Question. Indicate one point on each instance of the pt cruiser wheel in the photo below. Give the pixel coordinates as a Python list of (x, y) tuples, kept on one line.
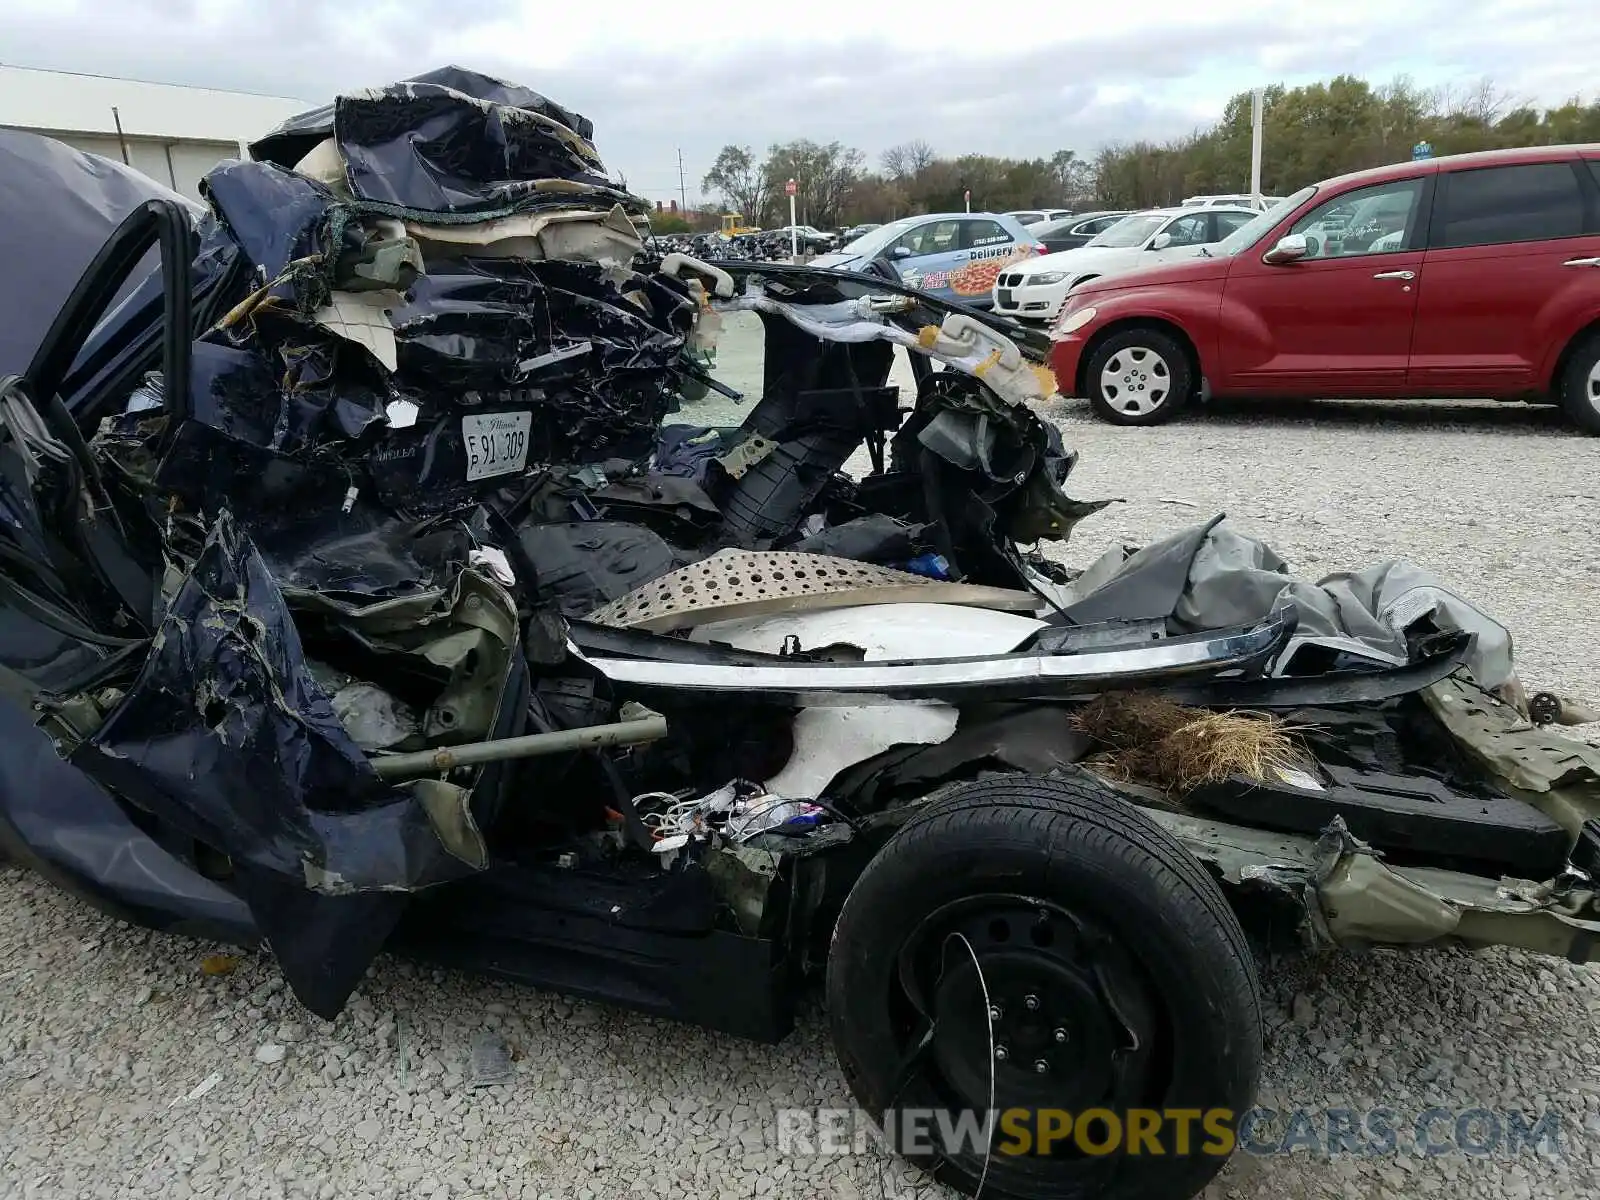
[(1140, 377), (1580, 386)]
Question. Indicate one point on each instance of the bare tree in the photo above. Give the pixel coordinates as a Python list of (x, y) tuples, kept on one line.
[(908, 159), (823, 175), (741, 182), (1074, 177), (1479, 101)]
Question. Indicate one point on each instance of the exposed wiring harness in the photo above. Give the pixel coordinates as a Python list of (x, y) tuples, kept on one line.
[(740, 811)]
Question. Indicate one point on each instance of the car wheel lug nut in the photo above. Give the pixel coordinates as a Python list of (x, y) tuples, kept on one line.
[(1031, 1003), (995, 1012), (1040, 1066), (1061, 1035), (1001, 1054)]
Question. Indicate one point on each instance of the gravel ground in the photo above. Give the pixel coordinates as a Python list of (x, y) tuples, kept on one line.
[(126, 1070)]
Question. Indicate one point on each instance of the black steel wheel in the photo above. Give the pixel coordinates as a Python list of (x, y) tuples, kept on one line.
[(1044, 939)]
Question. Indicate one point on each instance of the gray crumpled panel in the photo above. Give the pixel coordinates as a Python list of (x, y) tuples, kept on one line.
[(1233, 579)]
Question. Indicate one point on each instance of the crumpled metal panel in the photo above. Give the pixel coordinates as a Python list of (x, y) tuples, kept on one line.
[(483, 323), (584, 354), (226, 735), (1210, 576), (60, 206), (57, 820), (447, 140), (288, 143), (1557, 774), (274, 215), (743, 583), (1350, 896), (1521, 753)]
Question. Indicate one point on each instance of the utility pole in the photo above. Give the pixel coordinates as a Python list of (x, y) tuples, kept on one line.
[(1257, 104), (122, 141), (683, 194)]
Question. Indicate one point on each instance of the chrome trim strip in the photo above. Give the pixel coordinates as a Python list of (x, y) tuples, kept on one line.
[(1011, 675)]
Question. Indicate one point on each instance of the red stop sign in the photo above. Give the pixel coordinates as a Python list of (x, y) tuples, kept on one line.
[(789, 188)]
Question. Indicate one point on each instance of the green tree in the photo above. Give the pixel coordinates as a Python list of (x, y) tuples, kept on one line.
[(1330, 128), (669, 222), (1311, 133)]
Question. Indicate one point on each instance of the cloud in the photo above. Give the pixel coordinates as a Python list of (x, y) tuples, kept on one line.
[(960, 75)]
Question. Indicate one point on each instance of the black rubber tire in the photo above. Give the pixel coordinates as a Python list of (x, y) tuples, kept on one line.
[(1072, 842), (1174, 372), (1578, 395)]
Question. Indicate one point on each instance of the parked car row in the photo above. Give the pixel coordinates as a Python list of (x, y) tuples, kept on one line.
[(954, 256), (1469, 276), (1035, 289), (810, 239), (855, 231), (1038, 216), (1057, 228), (1078, 230), (1236, 200), (995, 260), (1462, 277)]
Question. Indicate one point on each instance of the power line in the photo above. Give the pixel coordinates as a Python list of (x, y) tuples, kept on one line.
[(195, 87)]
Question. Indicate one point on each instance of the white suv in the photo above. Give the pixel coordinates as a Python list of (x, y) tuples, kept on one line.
[(1236, 201), (1037, 216), (1034, 288)]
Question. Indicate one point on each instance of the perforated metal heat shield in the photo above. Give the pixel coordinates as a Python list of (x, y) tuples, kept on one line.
[(746, 583)]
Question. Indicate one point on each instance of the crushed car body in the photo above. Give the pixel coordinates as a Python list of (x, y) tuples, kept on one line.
[(359, 591)]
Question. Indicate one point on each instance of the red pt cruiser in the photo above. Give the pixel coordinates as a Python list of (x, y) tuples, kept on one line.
[(1476, 275)]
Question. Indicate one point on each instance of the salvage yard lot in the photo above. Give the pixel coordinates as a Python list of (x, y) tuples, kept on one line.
[(106, 1032)]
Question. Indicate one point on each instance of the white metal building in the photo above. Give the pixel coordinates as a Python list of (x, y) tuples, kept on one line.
[(172, 133)]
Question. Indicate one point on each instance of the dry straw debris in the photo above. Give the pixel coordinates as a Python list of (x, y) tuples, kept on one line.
[(1153, 741)]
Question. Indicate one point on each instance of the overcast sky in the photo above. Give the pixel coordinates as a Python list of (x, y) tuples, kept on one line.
[(966, 76)]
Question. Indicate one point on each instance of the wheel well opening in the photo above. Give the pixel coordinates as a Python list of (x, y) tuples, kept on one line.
[(1576, 342), (1175, 332)]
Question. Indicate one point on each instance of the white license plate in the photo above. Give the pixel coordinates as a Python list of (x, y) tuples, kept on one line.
[(497, 443)]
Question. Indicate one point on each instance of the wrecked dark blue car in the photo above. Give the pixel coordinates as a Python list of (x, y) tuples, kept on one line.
[(365, 586)]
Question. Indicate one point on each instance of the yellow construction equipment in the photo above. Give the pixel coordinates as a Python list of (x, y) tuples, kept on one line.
[(733, 225)]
